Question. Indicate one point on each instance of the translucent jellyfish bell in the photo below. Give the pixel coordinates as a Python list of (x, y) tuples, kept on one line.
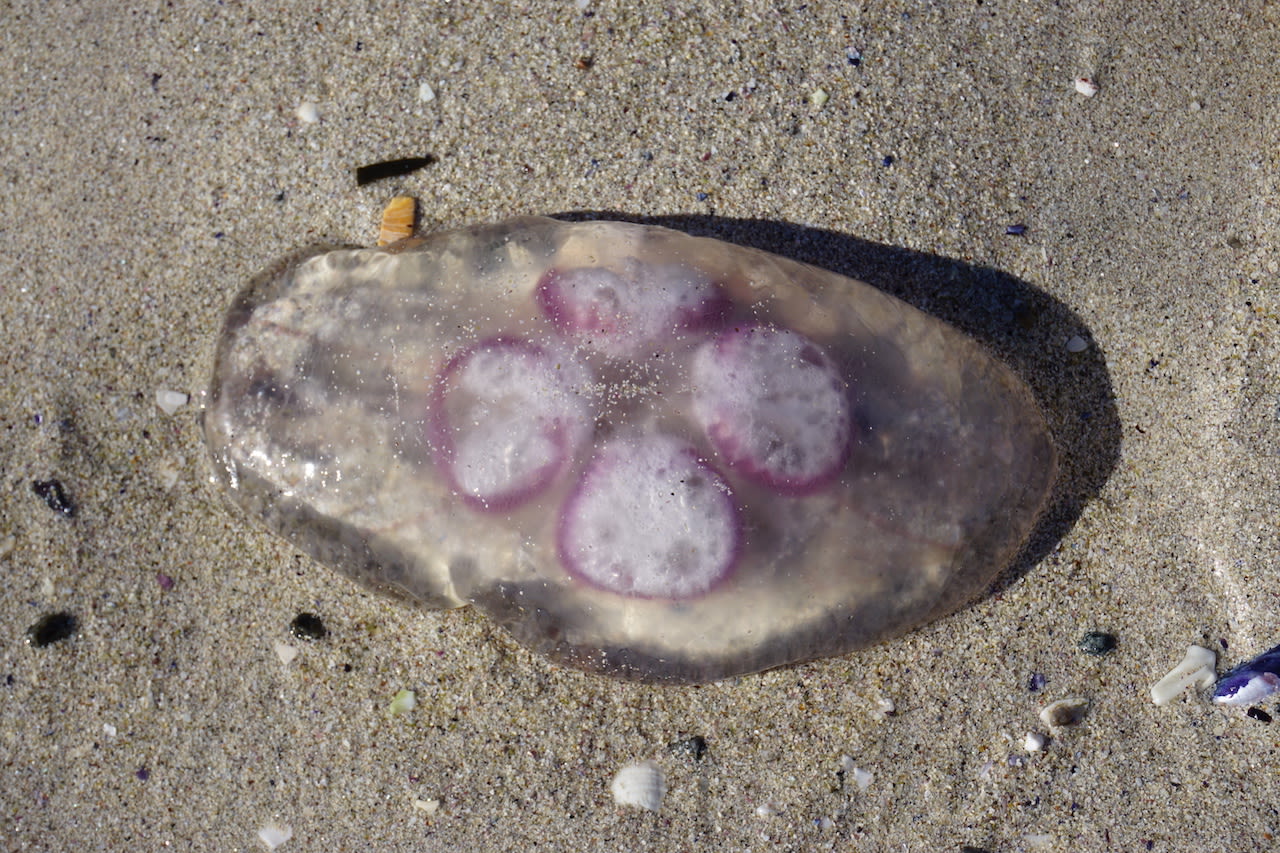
[(645, 454)]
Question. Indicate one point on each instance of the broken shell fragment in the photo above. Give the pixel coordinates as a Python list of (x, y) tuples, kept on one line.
[(1064, 712), (1251, 681), (644, 453), (397, 219), (1195, 668)]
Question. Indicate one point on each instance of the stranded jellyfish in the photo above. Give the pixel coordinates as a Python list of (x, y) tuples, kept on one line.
[(645, 454)]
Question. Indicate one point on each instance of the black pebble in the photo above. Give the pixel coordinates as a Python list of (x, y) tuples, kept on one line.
[(51, 628), (1097, 643), (308, 626), (1259, 715), (54, 495), (691, 747)]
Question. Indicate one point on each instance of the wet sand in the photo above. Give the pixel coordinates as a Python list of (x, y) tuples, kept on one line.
[(156, 159)]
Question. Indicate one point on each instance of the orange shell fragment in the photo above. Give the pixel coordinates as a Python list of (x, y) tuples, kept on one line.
[(397, 219)]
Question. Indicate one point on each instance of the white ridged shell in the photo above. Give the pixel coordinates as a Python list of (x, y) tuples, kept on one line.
[(640, 785)]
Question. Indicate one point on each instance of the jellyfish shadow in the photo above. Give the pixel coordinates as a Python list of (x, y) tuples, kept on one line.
[(1017, 322)]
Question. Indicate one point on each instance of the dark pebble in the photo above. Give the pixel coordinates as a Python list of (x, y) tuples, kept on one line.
[(52, 628), (691, 747), (143, 774), (1259, 715), (1015, 230), (887, 161), (1097, 643), (966, 848), (52, 493), (308, 626), (1036, 682), (703, 196)]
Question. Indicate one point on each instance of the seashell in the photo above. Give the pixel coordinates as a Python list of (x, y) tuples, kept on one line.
[(397, 219), (639, 785), (1195, 668), (1064, 712), (644, 453), (1251, 681)]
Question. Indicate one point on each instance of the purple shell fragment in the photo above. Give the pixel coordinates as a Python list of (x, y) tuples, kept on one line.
[(1251, 681), (644, 453)]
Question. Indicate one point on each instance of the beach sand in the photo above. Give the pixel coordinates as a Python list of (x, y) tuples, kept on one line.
[(155, 158)]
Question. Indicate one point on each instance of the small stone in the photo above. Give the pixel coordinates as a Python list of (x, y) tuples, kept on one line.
[(285, 652), (54, 496), (52, 628), (109, 729), (1034, 742), (308, 626), (430, 806), (307, 113), (1097, 643), (1076, 344), (1086, 87), (167, 472), (170, 401), (693, 748), (403, 702), (818, 98), (1258, 714), (425, 93), (1064, 712)]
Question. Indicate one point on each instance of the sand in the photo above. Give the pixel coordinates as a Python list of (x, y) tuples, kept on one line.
[(155, 158)]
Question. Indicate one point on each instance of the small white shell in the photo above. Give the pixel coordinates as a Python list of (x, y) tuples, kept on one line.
[(273, 835), (170, 401), (640, 785)]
